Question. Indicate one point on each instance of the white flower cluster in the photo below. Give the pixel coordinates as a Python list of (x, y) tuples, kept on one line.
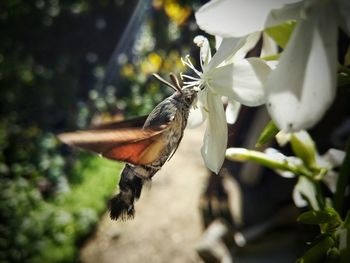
[(297, 91)]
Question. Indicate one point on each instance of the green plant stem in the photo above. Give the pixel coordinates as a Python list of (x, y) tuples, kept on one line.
[(240, 154), (319, 195), (266, 161), (343, 178), (268, 133)]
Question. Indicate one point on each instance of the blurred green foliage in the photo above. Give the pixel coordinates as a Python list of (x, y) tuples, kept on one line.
[(38, 231)]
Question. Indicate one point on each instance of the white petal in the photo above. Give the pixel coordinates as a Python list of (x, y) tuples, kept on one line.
[(283, 138), (288, 12), (248, 43), (227, 48), (275, 154), (205, 53), (233, 49), (203, 100), (235, 18), (215, 138), (334, 157), (330, 180), (306, 188), (242, 81), (195, 118), (299, 201), (232, 111), (302, 87), (272, 64), (269, 46), (198, 114), (285, 174), (218, 41)]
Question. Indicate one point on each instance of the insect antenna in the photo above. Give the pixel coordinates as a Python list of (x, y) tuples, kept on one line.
[(166, 82), (176, 82)]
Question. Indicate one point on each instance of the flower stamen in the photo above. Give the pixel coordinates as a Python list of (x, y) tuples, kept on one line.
[(187, 62), (187, 77)]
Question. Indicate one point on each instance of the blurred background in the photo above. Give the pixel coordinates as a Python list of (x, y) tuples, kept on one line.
[(63, 65)]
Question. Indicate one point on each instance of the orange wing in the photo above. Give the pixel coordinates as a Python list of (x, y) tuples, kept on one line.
[(133, 145), (140, 153)]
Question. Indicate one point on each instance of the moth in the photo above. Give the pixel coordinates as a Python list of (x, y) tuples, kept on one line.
[(144, 144)]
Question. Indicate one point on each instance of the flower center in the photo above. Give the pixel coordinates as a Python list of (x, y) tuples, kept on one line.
[(189, 81)]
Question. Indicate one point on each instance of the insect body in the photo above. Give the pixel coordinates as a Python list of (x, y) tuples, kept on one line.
[(144, 149)]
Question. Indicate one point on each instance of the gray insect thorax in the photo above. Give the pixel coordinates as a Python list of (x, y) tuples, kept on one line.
[(175, 113)]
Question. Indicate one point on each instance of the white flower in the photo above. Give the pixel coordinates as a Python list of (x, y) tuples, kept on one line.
[(302, 87), (304, 147), (226, 74), (235, 18), (304, 189)]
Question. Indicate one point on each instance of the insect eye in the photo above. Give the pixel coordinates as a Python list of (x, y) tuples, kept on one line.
[(188, 99)]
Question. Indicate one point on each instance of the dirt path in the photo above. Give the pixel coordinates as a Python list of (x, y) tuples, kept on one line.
[(167, 223)]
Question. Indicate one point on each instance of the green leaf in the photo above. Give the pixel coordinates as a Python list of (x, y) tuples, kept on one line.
[(344, 239), (327, 216), (281, 33), (304, 147), (268, 133), (343, 178), (346, 223), (318, 252)]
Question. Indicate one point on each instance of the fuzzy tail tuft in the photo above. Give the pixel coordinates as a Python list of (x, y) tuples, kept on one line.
[(130, 186), (120, 207)]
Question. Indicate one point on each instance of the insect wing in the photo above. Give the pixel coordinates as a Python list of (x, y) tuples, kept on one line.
[(130, 123), (134, 145), (139, 153)]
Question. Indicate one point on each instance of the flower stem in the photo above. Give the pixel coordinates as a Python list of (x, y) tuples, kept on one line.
[(319, 195), (241, 154), (343, 178)]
